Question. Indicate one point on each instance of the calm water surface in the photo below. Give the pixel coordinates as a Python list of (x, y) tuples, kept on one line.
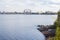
[(23, 27)]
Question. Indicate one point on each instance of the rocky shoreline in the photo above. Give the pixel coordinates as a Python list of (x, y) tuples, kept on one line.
[(47, 31)]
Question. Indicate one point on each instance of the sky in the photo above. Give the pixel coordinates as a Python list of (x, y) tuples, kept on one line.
[(33, 5)]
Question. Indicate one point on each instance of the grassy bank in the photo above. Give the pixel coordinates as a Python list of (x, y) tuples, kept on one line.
[(57, 37), (57, 27)]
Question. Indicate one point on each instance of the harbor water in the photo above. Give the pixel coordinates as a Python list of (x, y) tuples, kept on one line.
[(23, 27)]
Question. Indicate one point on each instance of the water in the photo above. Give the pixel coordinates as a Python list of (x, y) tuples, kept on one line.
[(23, 27)]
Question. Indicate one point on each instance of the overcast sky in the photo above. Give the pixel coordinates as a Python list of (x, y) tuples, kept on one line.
[(34, 5)]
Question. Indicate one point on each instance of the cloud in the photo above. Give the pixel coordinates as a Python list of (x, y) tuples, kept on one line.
[(34, 5)]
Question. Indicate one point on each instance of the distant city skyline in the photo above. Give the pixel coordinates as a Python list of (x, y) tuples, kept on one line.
[(33, 5)]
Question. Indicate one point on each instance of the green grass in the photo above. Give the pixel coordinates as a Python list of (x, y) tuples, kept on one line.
[(57, 37), (57, 26)]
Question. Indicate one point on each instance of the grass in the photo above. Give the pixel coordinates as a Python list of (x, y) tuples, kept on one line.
[(57, 37)]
